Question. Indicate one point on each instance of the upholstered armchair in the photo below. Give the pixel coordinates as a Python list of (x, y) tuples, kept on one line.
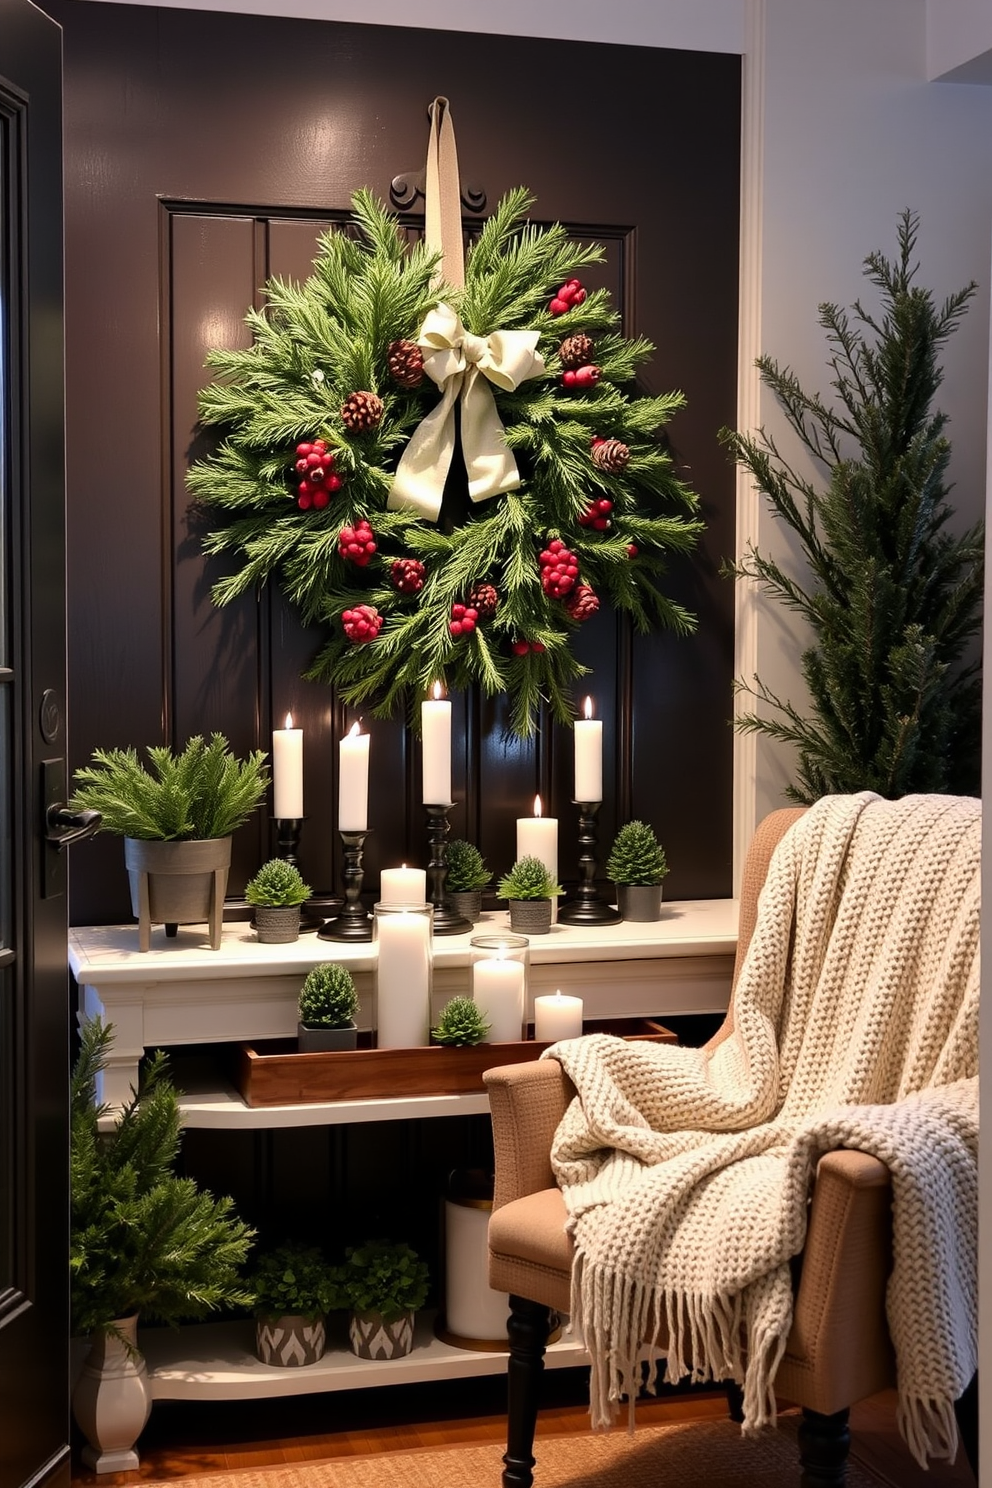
[(838, 1351)]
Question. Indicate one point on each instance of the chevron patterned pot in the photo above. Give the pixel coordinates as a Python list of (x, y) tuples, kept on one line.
[(289, 1341), (373, 1337)]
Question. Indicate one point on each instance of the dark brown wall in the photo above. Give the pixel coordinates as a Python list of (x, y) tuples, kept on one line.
[(203, 152)]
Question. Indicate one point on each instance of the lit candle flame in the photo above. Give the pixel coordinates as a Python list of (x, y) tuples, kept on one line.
[(289, 720), (436, 692), (588, 708), (355, 730), (537, 805)]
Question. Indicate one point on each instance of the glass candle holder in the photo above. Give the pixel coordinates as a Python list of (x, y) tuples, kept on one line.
[(500, 964), (403, 937)]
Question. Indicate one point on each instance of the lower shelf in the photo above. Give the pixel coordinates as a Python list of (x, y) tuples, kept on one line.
[(216, 1361)]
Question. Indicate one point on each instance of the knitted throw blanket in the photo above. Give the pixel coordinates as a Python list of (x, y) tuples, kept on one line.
[(686, 1172)]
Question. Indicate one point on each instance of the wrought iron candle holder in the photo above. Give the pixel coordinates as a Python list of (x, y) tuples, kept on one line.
[(289, 830), (447, 921), (352, 922), (587, 906)]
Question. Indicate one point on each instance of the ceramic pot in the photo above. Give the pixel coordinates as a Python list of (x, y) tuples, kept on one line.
[(277, 924), (639, 901), (374, 1337), (317, 1040), (466, 903), (290, 1341), (112, 1401), (178, 883), (530, 916)]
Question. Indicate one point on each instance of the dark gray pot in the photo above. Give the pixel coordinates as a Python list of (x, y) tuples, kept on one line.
[(530, 916), (315, 1040), (277, 924), (467, 903), (639, 901), (178, 883)]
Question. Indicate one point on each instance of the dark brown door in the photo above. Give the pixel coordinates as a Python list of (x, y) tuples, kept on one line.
[(34, 1325)]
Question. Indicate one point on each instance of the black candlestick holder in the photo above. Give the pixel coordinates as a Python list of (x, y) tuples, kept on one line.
[(446, 920), (353, 922), (289, 829), (587, 907)]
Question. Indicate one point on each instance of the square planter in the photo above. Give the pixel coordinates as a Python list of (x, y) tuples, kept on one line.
[(316, 1040)]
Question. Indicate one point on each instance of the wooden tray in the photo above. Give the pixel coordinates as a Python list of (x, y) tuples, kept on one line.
[(274, 1074)]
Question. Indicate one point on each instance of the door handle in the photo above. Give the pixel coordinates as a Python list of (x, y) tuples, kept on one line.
[(63, 826)]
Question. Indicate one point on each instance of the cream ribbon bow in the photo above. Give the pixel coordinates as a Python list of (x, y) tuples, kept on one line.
[(463, 365)]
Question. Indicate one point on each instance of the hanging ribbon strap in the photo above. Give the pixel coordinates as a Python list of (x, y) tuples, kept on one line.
[(461, 364)]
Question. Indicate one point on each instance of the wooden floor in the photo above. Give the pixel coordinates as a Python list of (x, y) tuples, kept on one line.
[(182, 1440)]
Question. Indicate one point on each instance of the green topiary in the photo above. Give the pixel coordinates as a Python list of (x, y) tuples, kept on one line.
[(637, 857), (382, 1276), (293, 1280), (528, 879), (328, 998), (277, 883), (466, 868), (462, 1021)]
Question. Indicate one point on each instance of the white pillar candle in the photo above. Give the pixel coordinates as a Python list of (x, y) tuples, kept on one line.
[(287, 772), (403, 980), (498, 990), (435, 726), (588, 756), (403, 885), (353, 781), (537, 837), (557, 1018)]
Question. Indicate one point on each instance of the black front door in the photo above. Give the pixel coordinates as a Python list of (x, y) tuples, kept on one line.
[(34, 1327)]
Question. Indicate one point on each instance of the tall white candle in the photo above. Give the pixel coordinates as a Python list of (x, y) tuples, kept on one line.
[(287, 772), (435, 723), (353, 781), (498, 989), (403, 980), (403, 885), (537, 837), (588, 756), (556, 1018)]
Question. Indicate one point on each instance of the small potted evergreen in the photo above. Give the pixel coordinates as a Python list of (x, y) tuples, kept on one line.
[(328, 1003), (637, 865), (462, 1023), (276, 892), (383, 1283), (466, 878), (293, 1289), (529, 888)]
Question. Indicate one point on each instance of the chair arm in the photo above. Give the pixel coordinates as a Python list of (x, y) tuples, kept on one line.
[(527, 1102)]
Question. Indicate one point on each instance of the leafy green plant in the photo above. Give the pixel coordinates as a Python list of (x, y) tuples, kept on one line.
[(328, 998), (467, 870), (293, 1280), (462, 1021), (382, 1276), (141, 1238), (203, 791), (637, 857), (277, 884), (528, 879)]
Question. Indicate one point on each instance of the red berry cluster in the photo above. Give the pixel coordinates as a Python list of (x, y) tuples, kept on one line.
[(357, 543), (464, 619), (521, 647), (408, 575), (363, 623), (597, 514), (559, 569), (581, 377), (315, 467), (570, 295)]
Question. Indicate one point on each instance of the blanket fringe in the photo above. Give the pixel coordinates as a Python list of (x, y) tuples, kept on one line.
[(929, 1427)]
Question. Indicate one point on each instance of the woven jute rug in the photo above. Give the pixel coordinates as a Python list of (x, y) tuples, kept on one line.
[(683, 1455)]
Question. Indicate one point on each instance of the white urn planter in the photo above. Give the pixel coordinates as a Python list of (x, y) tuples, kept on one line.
[(112, 1400)]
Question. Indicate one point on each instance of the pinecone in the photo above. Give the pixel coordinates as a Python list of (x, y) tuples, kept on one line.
[(610, 455), (406, 363), (361, 412), (407, 575), (582, 603), (576, 351), (484, 599)]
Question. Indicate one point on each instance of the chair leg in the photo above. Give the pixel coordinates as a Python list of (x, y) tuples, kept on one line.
[(528, 1327), (824, 1442), (735, 1400), (966, 1410)]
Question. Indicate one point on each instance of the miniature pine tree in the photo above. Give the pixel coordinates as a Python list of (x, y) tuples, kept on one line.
[(637, 857), (467, 870), (893, 600), (328, 997), (528, 879), (462, 1021)]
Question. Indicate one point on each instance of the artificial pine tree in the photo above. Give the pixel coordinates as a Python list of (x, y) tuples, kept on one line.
[(893, 599)]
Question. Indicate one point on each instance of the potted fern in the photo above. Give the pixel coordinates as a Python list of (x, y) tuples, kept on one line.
[(383, 1283), (328, 1003), (637, 865), (294, 1290), (176, 818), (529, 888), (276, 892), (466, 878)]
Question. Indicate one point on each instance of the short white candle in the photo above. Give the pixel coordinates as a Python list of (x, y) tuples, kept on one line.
[(537, 837), (287, 772), (435, 725), (588, 756), (498, 990), (403, 968), (353, 781), (557, 1018), (403, 885)]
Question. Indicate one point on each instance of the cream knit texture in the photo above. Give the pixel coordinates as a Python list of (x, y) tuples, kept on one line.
[(686, 1172)]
